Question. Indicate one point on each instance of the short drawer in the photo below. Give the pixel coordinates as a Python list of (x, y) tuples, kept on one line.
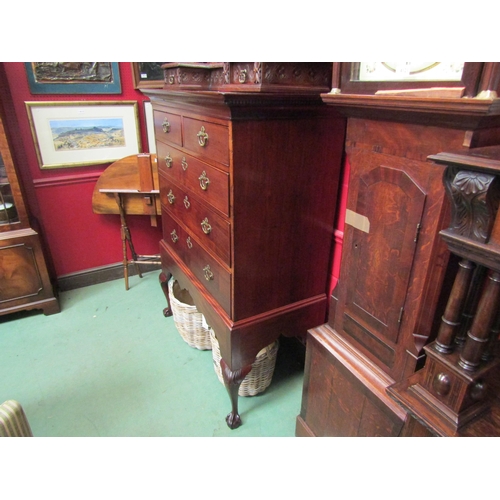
[(207, 182), (212, 230), (206, 139), (167, 127), (215, 279)]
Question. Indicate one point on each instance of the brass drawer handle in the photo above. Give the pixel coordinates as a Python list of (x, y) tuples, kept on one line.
[(171, 79), (204, 180), (242, 78), (209, 275), (184, 163), (170, 197), (165, 126), (174, 236), (188, 242), (187, 204), (168, 160), (205, 225), (202, 137)]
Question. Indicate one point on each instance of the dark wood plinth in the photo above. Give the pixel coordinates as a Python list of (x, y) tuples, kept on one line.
[(428, 411), (344, 392)]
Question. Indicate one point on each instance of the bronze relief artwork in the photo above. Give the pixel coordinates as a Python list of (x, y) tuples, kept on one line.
[(73, 77), (72, 71)]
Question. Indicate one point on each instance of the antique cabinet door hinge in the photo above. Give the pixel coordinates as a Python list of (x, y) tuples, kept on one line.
[(401, 315), (417, 232)]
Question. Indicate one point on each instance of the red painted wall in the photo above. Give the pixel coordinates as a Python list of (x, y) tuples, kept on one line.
[(61, 199)]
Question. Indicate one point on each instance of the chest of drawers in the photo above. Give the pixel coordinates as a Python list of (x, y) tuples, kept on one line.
[(248, 188)]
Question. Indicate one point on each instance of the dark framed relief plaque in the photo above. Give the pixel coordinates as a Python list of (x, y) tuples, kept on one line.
[(73, 77)]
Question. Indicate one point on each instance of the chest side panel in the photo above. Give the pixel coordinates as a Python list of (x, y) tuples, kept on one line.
[(284, 189)]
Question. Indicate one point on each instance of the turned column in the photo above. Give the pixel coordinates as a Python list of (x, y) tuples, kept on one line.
[(451, 320), (479, 335), (471, 303), (456, 386), (474, 195), (474, 198), (490, 351)]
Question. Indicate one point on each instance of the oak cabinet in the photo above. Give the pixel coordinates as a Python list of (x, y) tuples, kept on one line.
[(396, 270), (393, 261)]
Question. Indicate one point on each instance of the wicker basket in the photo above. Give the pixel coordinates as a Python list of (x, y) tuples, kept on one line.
[(260, 375), (189, 321)]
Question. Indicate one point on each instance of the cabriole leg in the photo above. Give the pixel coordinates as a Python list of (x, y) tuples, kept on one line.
[(232, 381), (164, 279)]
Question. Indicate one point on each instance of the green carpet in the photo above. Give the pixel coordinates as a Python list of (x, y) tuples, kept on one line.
[(110, 364)]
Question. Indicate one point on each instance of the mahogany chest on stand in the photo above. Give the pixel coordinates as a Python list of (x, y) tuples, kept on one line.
[(249, 161)]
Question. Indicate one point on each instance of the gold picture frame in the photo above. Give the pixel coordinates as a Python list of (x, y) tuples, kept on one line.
[(79, 133)]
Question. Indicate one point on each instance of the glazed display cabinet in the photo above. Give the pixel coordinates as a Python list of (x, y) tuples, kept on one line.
[(24, 277)]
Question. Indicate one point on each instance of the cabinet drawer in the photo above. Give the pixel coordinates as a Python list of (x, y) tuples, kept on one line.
[(212, 230), (207, 182), (206, 139), (215, 279), (167, 127)]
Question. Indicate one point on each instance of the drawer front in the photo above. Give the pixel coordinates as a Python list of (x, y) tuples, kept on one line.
[(207, 182), (215, 279), (206, 139), (212, 230), (167, 127)]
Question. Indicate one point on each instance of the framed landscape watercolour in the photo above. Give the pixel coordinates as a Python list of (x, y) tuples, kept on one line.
[(73, 77), (79, 133)]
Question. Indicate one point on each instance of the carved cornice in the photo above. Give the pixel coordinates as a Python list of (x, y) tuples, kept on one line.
[(187, 76), (249, 76)]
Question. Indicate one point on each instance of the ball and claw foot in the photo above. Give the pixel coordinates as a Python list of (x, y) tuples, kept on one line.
[(233, 420), (167, 312)]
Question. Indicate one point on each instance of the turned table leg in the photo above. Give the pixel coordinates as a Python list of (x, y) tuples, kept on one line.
[(126, 238), (164, 279), (232, 381)]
